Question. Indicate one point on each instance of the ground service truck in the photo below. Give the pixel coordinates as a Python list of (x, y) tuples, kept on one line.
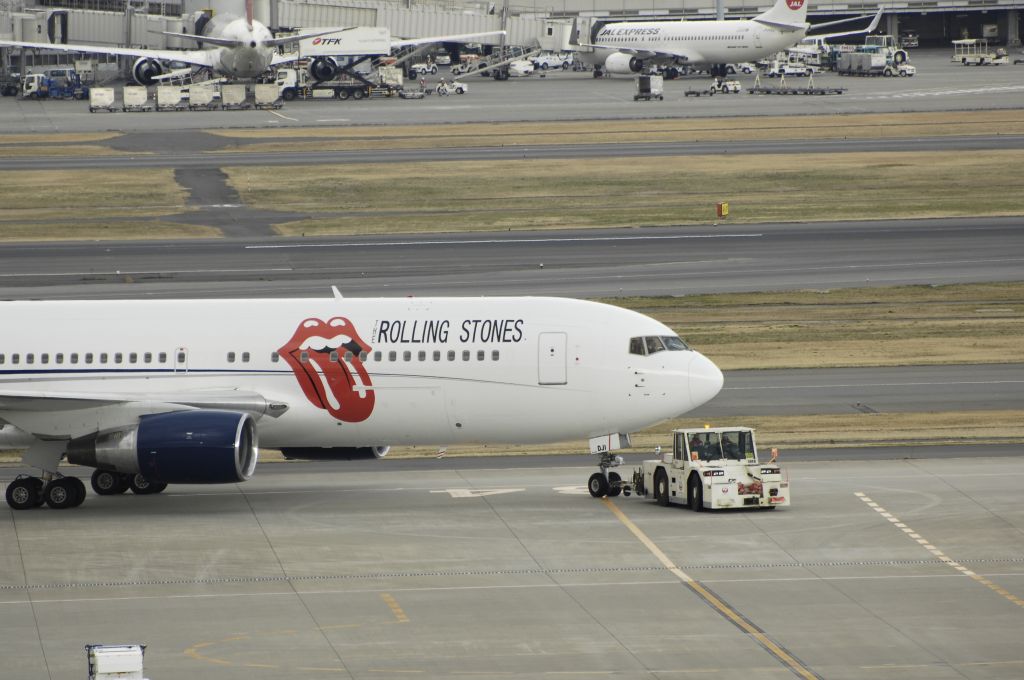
[(707, 468)]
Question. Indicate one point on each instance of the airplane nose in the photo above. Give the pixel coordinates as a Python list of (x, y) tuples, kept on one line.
[(705, 379)]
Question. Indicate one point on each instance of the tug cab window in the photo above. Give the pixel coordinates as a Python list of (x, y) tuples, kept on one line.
[(653, 344)]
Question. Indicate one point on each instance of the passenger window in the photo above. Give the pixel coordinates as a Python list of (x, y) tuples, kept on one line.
[(481, 355), (363, 355), (44, 358), (407, 356), (392, 355), (245, 357), (2, 358), (304, 357), (376, 356), (437, 355), (148, 357), (15, 358), (74, 358), (30, 358), (333, 356), (349, 356), (163, 358), (231, 357), (118, 358), (465, 355), (451, 355), (133, 358), (103, 358), (88, 357), (494, 355), (636, 346), (275, 357), (181, 357), (422, 355)]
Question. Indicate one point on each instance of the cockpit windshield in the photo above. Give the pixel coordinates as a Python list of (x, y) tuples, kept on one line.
[(729, 445), (652, 344)]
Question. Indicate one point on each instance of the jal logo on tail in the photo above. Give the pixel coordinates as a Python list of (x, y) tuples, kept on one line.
[(794, 4)]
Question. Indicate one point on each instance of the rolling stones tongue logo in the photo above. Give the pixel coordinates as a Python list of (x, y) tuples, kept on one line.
[(324, 355)]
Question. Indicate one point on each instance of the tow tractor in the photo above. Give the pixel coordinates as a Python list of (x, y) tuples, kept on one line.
[(707, 468)]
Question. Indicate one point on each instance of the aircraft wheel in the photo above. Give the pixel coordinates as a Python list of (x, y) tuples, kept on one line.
[(597, 485), (80, 493), (61, 493), (695, 494), (613, 487), (143, 487), (23, 493), (107, 483), (661, 488)]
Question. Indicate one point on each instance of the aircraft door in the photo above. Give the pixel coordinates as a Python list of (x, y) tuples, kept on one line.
[(181, 360), (551, 357)]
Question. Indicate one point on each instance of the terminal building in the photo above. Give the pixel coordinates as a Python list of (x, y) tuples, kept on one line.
[(138, 23)]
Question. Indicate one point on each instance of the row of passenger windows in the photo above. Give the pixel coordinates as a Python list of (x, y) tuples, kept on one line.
[(90, 358), (422, 355), (117, 358)]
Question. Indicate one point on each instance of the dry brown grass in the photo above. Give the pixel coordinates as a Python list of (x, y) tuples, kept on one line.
[(904, 325), (566, 193)]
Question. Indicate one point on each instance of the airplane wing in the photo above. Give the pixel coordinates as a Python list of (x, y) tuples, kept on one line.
[(194, 57), (71, 414), (871, 27), (462, 37), (682, 55)]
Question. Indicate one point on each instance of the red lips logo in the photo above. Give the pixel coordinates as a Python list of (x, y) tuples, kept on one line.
[(325, 357), (794, 4)]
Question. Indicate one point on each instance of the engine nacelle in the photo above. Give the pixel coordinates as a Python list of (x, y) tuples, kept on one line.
[(182, 447), (323, 68), (336, 453), (623, 64), (146, 70)]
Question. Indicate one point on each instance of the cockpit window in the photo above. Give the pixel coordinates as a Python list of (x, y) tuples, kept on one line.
[(653, 344), (674, 344)]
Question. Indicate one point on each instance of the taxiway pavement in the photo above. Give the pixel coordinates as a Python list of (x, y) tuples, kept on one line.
[(889, 569)]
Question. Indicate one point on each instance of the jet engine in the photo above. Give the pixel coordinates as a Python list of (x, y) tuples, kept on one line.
[(181, 447), (623, 64), (336, 453), (145, 70), (323, 68)]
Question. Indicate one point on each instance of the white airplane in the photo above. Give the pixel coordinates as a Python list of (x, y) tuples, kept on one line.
[(185, 391), (632, 46), (231, 46)]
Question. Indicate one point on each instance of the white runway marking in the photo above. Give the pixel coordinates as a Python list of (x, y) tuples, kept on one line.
[(495, 241)]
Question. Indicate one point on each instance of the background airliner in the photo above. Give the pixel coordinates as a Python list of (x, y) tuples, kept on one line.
[(632, 46), (184, 391), (231, 46)]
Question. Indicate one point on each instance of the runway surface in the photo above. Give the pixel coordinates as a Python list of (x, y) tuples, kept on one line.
[(587, 263), (894, 569)]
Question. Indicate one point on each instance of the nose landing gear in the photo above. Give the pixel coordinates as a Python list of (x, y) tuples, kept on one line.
[(607, 482)]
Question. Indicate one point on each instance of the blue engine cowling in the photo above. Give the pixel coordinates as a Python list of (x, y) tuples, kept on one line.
[(182, 447)]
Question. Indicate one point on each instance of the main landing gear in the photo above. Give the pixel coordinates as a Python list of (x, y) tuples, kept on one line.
[(607, 482), (61, 492)]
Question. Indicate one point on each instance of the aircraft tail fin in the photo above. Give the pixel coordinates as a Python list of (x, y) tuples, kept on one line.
[(249, 12), (785, 14)]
